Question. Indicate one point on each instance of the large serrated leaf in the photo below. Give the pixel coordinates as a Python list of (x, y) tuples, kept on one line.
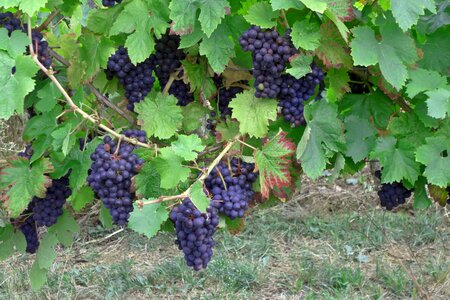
[(148, 219)]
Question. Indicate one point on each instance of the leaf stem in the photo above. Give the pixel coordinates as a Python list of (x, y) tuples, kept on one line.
[(245, 144), (69, 100), (49, 19), (285, 21)]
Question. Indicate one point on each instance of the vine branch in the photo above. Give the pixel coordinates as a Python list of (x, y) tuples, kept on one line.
[(69, 100), (202, 178), (102, 98), (47, 21)]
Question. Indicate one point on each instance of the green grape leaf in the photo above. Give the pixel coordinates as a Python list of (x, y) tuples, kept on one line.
[(15, 86), (46, 253), (183, 13), (48, 96), (170, 168), (315, 5), (305, 34), (339, 84), (323, 134), (436, 51), (342, 28), (139, 45), (261, 14), (409, 128), (62, 139), (286, 4), (211, 14), (198, 197), (273, 162), (437, 164), (218, 48), (10, 240), (407, 13), (14, 45), (439, 102), (38, 276), (65, 229), (253, 113), (102, 20), (95, 52), (397, 160), (159, 115), (31, 7), (147, 182), (25, 181), (133, 15), (81, 198), (300, 66), (105, 217), (364, 40), (227, 130), (421, 199), (9, 3), (424, 80), (343, 9), (360, 137), (192, 115), (148, 219), (333, 50), (187, 146), (189, 40)]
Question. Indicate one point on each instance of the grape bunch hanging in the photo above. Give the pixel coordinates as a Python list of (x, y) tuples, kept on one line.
[(392, 194), (110, 3), (113, 166)]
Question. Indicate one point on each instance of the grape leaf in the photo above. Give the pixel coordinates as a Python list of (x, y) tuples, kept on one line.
[(38, 276), (424, 80), (409, 128), (183, 13), (227, 130), (15, 86), (273, 162), (315, 5), (333, 50), (102, 20), (436, 51), (437, 164), (46, 253), (338, 84), (95, 52), (48, 96), (360, 137), (300, 66), (211, 14), (198, 197), (147, 182), (218, 48), (65, 229), (421, 199), (9, 3), (30, 7), (25, 181), (10, 240), (193, 113), (407, 13), (81, 198), (323, 134), (397, 160), (170, 168), (148, 219), (14, 45), (343, 9), (286, 4), (159, 115), (62, 139), (305, 34), (342, 28), (261, 14), (139, 45), (364, 39), (187, 146), (133, 15), (191, 39), (253, 113), (439, 102), (105, 217)]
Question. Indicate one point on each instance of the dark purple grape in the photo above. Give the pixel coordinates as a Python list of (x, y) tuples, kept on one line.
[(195, 232), (392, 194), (110, 3)]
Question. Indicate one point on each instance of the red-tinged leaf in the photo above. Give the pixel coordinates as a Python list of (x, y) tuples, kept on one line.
[(438, 194), (333, 50), (22, 182), (343, 9), (273, 162)]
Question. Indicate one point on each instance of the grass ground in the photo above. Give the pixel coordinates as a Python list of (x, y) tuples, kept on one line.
[(330, 242)]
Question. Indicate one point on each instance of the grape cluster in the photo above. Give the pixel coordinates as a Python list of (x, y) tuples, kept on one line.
[(29, 230), (270, 53), (392, 194), (167, 59), (110, 3), (112, 168), (294, 93), (26, 153), (195, 232), (8, 21), (231, 188), (225, 95), (137, 80), (47, 210)]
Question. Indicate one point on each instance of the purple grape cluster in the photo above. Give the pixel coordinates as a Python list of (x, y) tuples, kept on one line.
[(270, 53), (167, 59), (392, 194), (294, 92), (47, 210), (8, 21), (137, 80), (110, 3), (225, 95), (195, 232), (231, 189), (26, 153), (29, 229), (112, 168)]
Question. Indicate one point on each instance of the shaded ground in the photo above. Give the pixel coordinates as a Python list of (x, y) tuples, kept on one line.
[(330, 242)]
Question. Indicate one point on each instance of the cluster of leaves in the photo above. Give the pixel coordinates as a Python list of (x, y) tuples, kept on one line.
[(399, 50)]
